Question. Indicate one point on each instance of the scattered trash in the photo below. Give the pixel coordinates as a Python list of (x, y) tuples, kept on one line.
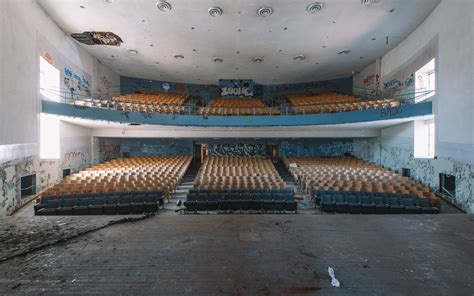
[(73, 280), (254, 253), (334, 281)]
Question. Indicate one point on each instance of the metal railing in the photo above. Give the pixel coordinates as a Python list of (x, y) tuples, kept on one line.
[(83, 101)]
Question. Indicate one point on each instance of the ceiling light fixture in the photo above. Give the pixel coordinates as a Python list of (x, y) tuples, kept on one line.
[(215, 11), (178, 56), (299, 57), (163, 6), (109, 1), (368, 2), (315, 7), (345, 51), (257, 59), (217, 60), (132, 51), (265, 11)]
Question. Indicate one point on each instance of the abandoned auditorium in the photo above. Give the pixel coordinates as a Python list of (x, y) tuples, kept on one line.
[(245, 147)]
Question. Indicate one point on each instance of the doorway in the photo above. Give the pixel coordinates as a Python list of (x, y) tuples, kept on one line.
[(201, 151), (447, 184), (273, 151)]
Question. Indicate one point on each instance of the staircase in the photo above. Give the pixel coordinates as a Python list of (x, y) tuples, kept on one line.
[(182, 190), (290, 183)]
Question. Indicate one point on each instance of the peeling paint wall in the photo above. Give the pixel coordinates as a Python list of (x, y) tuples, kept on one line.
[(397, 152), (367, 149), (75, 147)]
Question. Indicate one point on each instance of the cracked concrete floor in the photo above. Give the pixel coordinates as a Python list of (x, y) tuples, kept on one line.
[(256, 255)]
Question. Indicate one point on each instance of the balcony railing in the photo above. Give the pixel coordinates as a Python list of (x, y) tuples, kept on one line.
[(82, 101)]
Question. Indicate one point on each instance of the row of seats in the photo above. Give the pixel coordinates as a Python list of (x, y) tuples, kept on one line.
[(244, 172), (160, 173), (100, 204), (238, 201), (237, 106), (152, 102), (334, 102), (372, 203), (351, 174)]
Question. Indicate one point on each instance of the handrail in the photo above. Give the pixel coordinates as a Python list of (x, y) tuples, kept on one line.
[(191, 109)]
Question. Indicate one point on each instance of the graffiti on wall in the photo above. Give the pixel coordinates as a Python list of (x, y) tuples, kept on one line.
[(239, 149), (336, 148), (75, 83), (400, 83), (236, 88)]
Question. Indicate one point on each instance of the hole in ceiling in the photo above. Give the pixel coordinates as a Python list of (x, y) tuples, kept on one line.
[(345, 51), (215, 11), (132, 51), (285, 29), (81, 6), (98, 38), (157, 63), (151, 45), (192, 28), (239, 30), (324, 46), (314, 7), (178, 56), (373, 39), (257, 59), (237, 52), (217, 60), (265, 11), (392, 10), (299, 57), (194, 49)]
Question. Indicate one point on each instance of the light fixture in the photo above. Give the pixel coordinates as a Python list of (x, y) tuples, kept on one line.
[(299, 57), (257, 59), (178, 56), (265, 11), (163, 6), (109, 1), (215, 11), (132, 51), (314, 7), (345, 51), (369, 2), (217, 60)]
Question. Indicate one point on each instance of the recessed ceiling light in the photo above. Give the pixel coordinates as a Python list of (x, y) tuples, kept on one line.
[(285, 28), (345, 51), (392, 10), (81, 6), (217, 60), (109, 1), (163, 6), (314, 7), (257, 59), (178, 56), (215, 11), (265, 11), (132, 51), (373, 39), (299, 57)]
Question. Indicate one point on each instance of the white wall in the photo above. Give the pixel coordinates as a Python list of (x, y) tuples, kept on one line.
[(452, 24), (450, 27), (26, 32)]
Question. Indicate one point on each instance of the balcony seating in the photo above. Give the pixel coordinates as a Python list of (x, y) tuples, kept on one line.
[(237, 106), (167, 103), (334, 102)]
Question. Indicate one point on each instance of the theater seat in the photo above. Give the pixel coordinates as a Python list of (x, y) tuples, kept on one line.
[(340, 204), (353, 205), (395, 206), (110, 208), (67, 206), (50, 208), (426, 207), (367, 205), (212, 204), (290, 204), (327, 204), (381, 206), (138, 204), (152, 202), (97, 207), (411, 205), (83, 206)]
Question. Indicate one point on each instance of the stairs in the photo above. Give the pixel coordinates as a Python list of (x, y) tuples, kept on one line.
[(303, 205), (182, 189)]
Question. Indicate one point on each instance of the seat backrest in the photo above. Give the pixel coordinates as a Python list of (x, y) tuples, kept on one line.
[(69, 202), (351, 199), (99, 200), (339, 198), (85, 201), (112, 200), (393, 201), (379, 200), (53, 203)]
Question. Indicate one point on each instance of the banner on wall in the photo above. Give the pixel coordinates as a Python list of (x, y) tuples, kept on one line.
[(236, 88)]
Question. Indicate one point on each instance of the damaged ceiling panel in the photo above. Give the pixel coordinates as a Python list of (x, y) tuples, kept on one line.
[(98, 38)]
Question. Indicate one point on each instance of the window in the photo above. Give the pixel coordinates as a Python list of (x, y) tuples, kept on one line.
[(424, 139), (425, 81), (49, 81), (28, 185), (49, 136), (66, 172)]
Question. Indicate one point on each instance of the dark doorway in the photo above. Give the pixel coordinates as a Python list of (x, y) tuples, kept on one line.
[(406, 172), (273, 151), (28, 185), (447, 184), (66, 172), (200, 152)]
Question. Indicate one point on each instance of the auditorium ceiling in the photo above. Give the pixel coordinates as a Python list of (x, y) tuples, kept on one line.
[(271, 42)]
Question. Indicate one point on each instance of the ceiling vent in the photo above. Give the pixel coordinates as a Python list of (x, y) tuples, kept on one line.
[(215, 11), (299, 57), (132, 51), (315, 7), (369, 2), (217, 60), (178, 56), (343, 52), (257, 59), (265, 11), (163, 6)]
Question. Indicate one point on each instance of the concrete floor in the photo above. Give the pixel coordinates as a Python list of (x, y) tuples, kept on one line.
[(256, 255)]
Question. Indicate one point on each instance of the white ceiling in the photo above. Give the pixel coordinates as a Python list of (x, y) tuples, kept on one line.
[(157, 36)]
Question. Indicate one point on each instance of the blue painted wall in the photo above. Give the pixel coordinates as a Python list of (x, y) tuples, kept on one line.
[(207, 92), (230, 147)]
